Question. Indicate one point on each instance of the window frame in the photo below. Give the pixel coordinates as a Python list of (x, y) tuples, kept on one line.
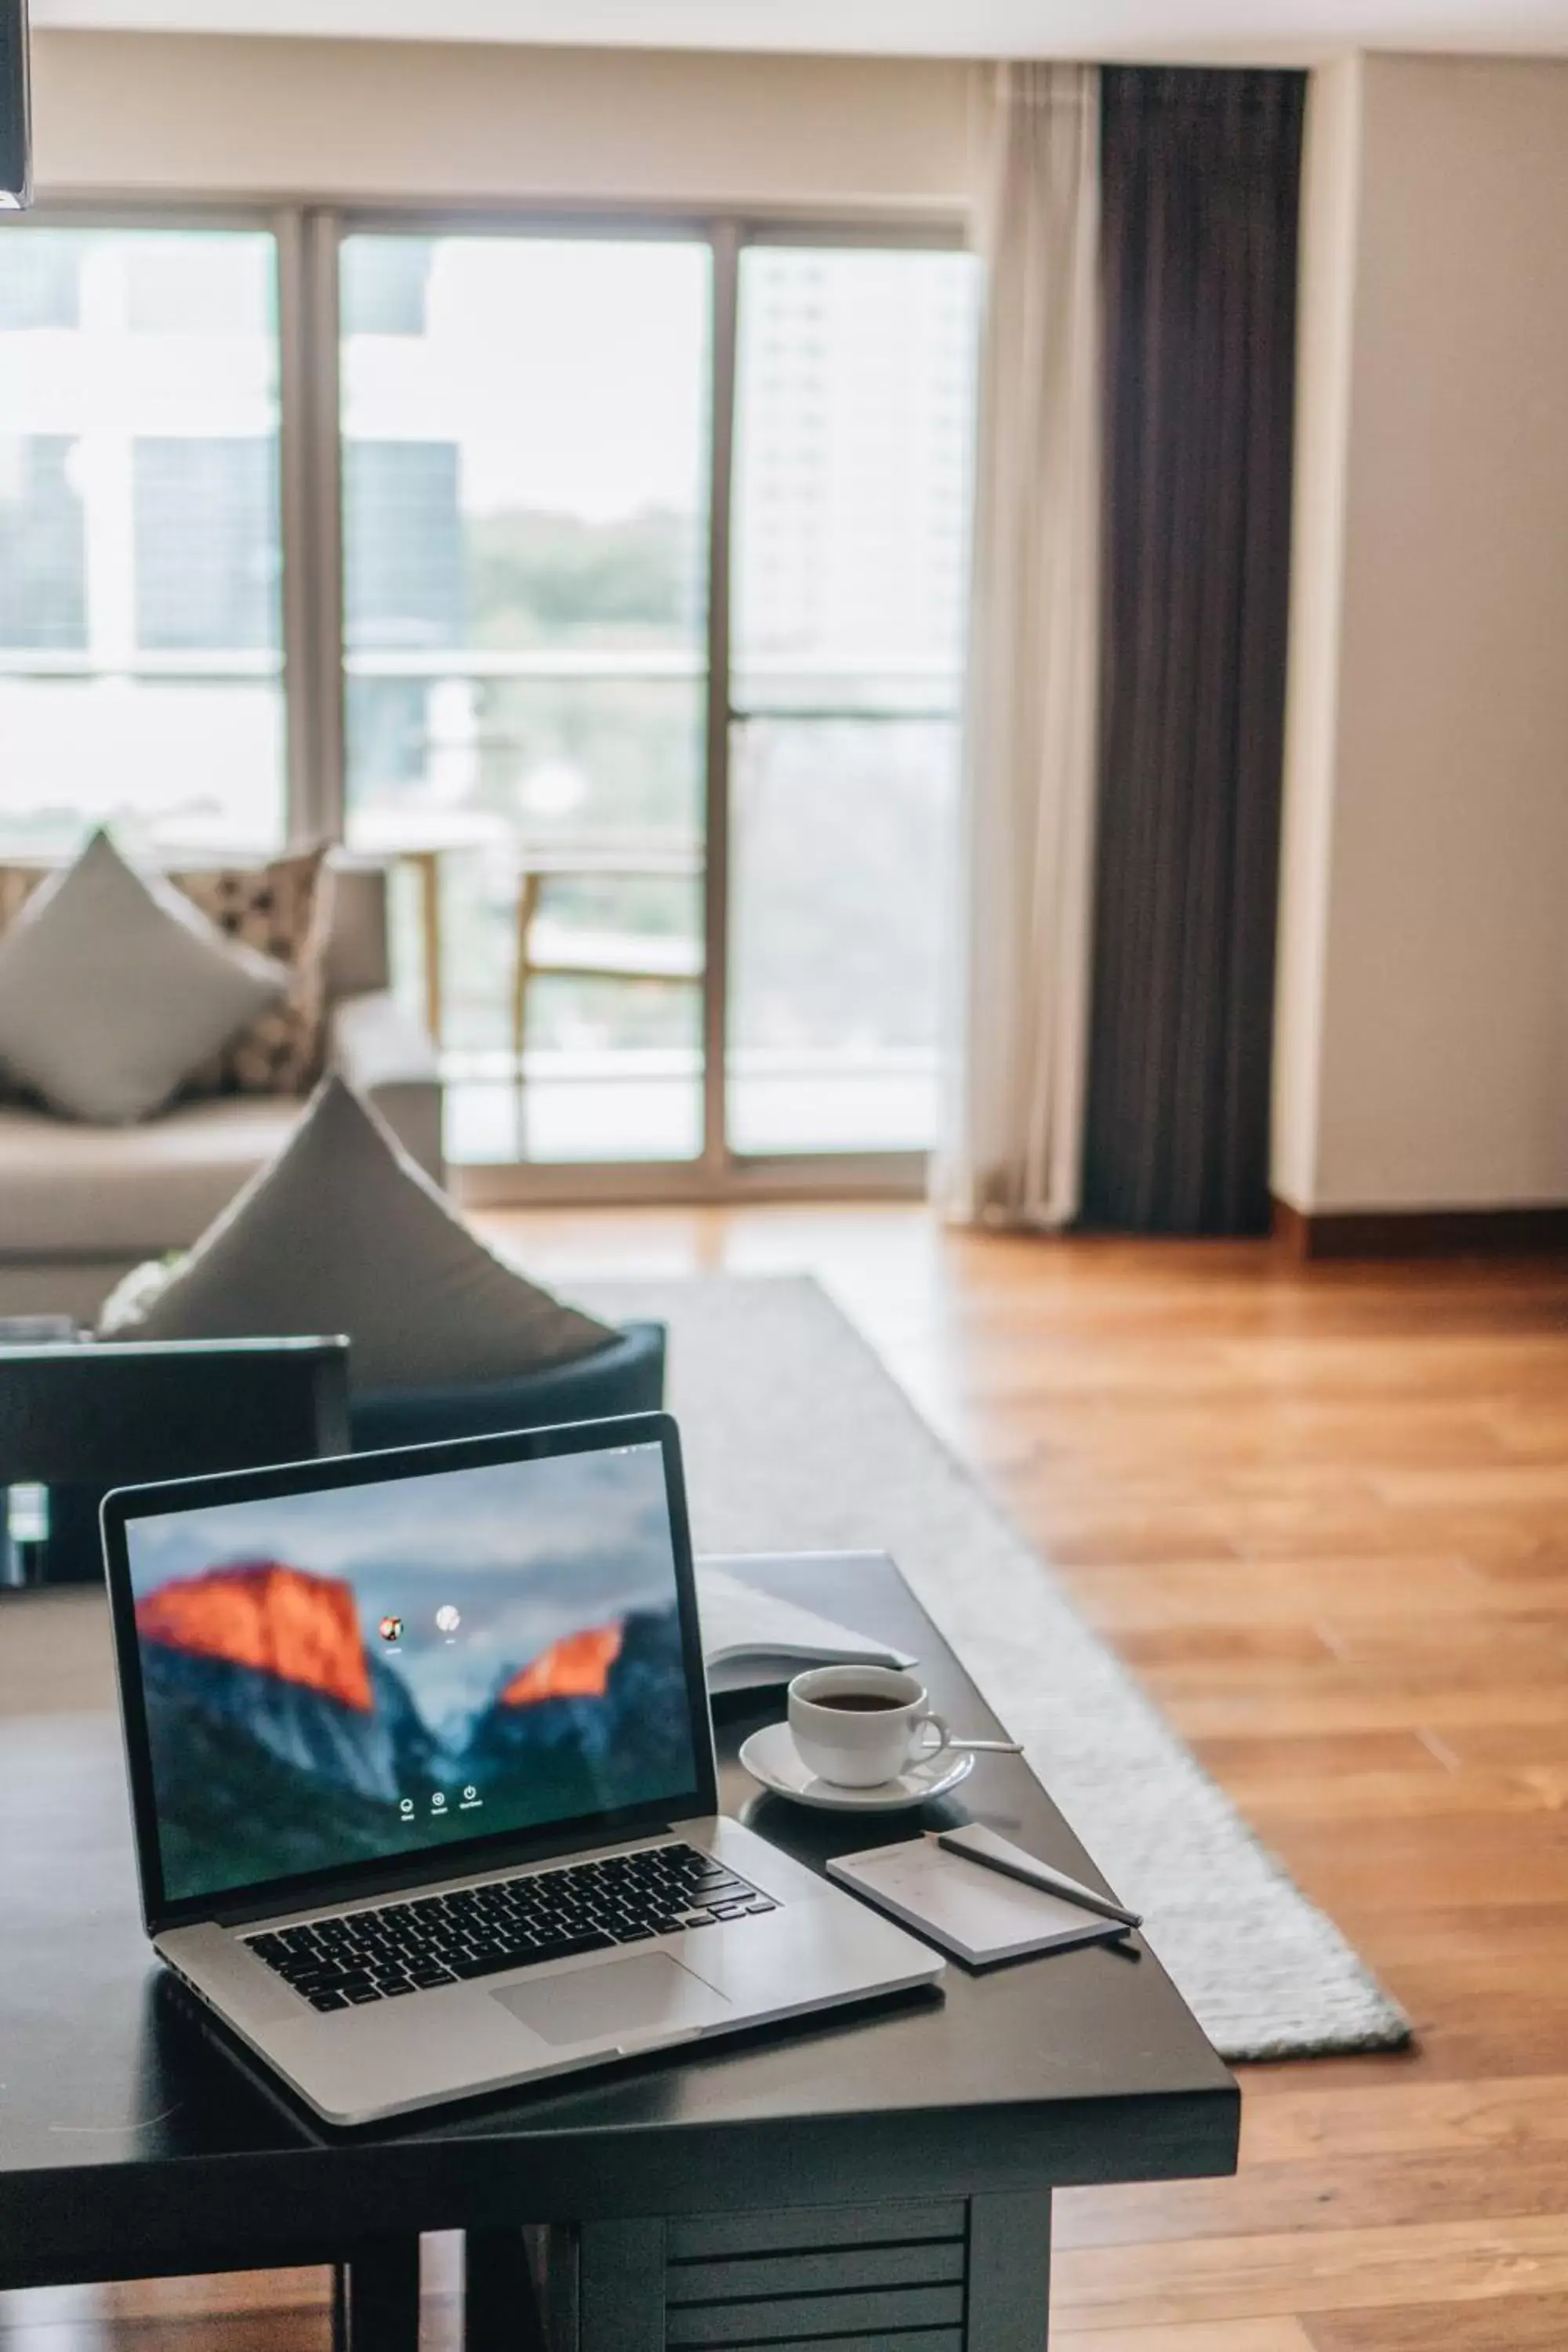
[(307, 235)]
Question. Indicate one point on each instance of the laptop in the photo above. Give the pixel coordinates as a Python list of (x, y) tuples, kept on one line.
[(422, 1776)]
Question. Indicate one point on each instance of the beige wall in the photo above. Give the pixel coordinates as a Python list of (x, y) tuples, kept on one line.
[(1423, 1024), (149, 113)]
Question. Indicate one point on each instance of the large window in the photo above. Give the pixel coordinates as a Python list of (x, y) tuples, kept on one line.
[(619, 579), (141, 651)]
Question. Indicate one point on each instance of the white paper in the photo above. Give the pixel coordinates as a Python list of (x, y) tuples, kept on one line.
[(967, 1909), (740, 1622)]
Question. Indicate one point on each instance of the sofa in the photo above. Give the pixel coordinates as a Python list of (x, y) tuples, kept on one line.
[(80, 1205)]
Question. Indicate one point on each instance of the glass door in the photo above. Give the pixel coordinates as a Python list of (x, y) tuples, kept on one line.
[(650, 540), (525, 461), (854, 428)]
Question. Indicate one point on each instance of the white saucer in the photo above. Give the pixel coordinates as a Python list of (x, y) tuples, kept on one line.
[(771, 1757)]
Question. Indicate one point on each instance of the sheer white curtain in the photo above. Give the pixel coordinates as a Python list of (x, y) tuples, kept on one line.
[(1013, 1151)]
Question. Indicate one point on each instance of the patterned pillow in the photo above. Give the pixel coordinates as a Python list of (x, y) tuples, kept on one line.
[(283, 909), (17, 884)]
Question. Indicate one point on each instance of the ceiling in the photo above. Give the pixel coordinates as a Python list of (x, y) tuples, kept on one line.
[(1295, 30)]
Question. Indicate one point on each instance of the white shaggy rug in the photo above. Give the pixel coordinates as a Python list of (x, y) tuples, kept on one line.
[(796, 1438)]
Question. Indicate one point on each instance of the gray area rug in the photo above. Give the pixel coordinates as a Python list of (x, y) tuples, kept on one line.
[(797, 1438)]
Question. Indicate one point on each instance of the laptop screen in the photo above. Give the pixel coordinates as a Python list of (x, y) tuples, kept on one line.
[(371, 1670)]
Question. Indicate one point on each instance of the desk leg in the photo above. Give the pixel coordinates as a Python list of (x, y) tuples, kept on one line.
[(500, 2303), (375, 2298)]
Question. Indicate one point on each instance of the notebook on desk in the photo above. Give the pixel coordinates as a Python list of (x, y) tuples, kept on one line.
[(753, 1641), (979, 1916)]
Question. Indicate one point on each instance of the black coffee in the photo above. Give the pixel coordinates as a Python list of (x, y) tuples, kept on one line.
[(859, 1702)]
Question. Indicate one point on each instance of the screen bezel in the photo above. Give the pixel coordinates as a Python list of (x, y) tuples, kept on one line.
[(300, 1892)]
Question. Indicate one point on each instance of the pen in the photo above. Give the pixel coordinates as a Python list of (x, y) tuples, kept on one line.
[(975, 1842)]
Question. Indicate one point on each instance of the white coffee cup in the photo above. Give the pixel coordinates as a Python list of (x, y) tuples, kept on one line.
[(858, 1726)]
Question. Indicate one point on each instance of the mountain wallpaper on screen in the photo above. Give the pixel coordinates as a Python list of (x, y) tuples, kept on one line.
[(281, 1744)]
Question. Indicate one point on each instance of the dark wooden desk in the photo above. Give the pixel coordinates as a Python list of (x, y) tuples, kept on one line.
[(895, 2164)]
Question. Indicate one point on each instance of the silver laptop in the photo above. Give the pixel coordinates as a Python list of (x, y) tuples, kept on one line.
[(422, 1775)]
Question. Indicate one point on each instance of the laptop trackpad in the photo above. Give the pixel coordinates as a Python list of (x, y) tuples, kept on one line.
[(630, 1996)]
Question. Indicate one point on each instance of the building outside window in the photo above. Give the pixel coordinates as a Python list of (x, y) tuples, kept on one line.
[(854, 426), (140, 661)]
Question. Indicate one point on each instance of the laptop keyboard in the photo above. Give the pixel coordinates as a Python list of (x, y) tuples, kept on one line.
[(512, 1923)]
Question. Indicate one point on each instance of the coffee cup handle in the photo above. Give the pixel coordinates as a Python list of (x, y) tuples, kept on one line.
[(928, 1751)]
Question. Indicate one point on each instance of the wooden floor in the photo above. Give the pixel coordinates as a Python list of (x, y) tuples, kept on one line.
[(1323, 1512)]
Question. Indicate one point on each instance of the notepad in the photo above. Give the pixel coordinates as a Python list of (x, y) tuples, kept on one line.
[(976, 1913)]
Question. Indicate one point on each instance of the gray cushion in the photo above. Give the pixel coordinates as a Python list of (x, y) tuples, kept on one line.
[(113, 987), (343, 1233)]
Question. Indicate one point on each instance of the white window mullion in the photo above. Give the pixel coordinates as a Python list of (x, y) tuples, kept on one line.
[(716, 828)]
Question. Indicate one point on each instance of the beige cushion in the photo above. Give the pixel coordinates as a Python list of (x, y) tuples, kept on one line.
[(359, 952), (113, 987), (285, 910), (69, 1190), (343, 1233)]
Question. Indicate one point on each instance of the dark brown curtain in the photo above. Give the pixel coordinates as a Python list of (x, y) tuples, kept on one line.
[(1200, 173)]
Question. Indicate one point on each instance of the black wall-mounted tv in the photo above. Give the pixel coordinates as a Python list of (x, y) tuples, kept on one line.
[(15, 142)]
